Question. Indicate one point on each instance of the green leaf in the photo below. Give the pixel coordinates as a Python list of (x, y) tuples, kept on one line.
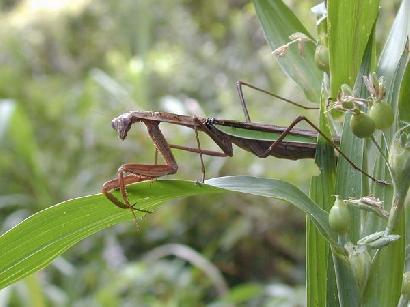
[(280, 190), (386, 275), (351, 183), (243, 293), (350, 24), (395, 44), (278, 22), (322, 189), (35, 242), (404, 100), (347, 286), (17, 139)]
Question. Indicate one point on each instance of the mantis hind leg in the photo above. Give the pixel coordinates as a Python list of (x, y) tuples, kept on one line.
[(239, 85), (299, 119)]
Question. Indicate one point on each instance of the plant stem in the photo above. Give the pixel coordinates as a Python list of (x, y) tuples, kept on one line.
[(399, 197)]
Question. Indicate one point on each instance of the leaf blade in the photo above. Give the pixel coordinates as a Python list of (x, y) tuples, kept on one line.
[(36, 241), (318, 260), (278, 22), (350, 25)]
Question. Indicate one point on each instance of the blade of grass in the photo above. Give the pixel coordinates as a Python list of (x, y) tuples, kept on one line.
[(322, 189), (350, 183), (386, 275), (17, 138), (278, 22), (404, 102), (350, 24), (392, 51), (35, 242)]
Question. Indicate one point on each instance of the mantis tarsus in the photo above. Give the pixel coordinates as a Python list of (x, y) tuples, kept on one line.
[(262, 140)]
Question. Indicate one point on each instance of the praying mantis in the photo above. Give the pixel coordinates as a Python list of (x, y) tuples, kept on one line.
[(262, 140)]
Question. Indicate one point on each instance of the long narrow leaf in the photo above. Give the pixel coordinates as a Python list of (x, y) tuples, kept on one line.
[(322, 189), (350, 23), (386, 275), (395, 43), (350, 183), (404, 101), (278, 22), (35, 242)]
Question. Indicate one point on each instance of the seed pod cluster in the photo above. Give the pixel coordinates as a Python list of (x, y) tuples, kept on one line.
[(380, 115)]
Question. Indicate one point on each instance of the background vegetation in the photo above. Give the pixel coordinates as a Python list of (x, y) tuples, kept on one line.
[(69, 67)]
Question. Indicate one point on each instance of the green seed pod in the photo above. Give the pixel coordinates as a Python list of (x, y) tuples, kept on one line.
[(382, 114), (360, 262), (339, 217), (399, 159), (362, 125), (405, 286), (322, 58)]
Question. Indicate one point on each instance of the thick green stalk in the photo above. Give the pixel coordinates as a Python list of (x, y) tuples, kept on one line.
[(397, 208)]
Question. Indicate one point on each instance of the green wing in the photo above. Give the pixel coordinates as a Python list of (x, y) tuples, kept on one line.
[(264, 135)]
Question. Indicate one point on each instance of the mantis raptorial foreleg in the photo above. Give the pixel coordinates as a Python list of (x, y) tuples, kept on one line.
[(141, 172), (239, 85), (113, 184), (132, 172), (272, 147)]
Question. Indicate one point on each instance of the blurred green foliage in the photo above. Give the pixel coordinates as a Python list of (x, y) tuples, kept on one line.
[(68, 68)]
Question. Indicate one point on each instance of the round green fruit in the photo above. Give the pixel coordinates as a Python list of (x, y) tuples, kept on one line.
[(382, 115), (362, 125), (339, 217), (322, 58)]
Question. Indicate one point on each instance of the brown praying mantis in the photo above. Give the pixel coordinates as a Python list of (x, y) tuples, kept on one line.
[(262, 140)]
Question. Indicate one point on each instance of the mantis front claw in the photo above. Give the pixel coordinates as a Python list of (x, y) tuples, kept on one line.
[(140, 210)]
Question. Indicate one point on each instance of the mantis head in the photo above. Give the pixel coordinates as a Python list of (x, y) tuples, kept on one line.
[(122, 125)]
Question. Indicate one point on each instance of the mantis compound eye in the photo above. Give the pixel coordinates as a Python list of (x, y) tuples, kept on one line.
[(121, 124)]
